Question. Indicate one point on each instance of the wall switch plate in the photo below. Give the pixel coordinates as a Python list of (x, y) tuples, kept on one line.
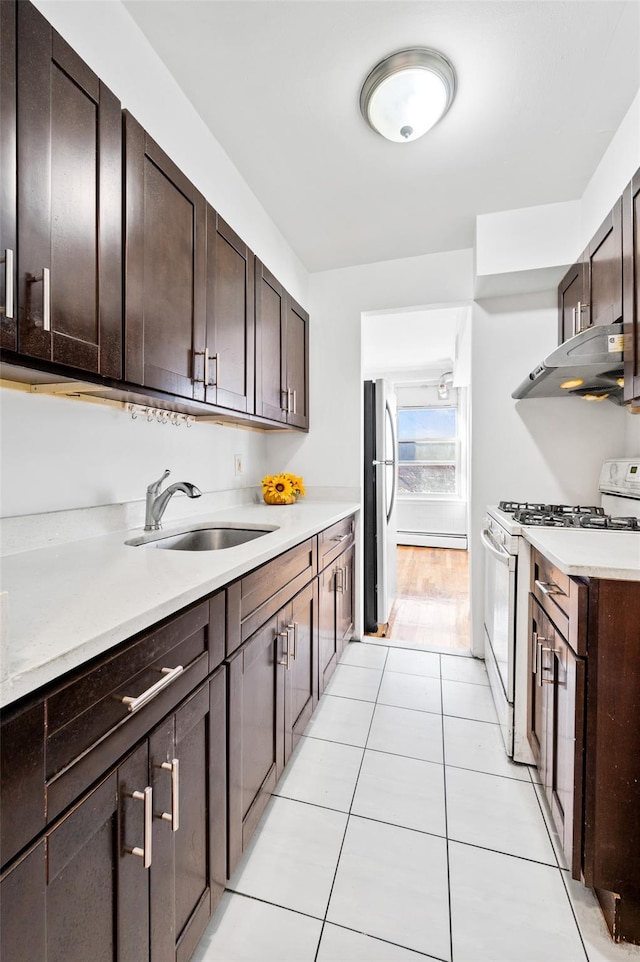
[(238, 464)]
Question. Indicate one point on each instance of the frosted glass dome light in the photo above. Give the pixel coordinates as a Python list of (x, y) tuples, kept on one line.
[(407, 93)]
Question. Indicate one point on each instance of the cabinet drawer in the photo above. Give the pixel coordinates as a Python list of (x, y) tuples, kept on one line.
[(252, 600), (95, 718), (563, 599), (332, 541)]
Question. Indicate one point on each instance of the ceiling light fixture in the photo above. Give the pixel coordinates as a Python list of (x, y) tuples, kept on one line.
[(407, 93)]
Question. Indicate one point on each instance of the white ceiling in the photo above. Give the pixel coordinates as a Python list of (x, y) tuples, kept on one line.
[(542, 86), (408, 342)]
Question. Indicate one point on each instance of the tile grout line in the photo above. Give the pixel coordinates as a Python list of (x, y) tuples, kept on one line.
[(446, 820), (346, 827)]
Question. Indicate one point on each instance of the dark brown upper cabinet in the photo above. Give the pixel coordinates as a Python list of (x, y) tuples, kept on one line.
[(229, 361), (604, 265), (631, 288), (165, 270), (8, 183), (590, 293), (68, 201), (571, 297), (282, 353)]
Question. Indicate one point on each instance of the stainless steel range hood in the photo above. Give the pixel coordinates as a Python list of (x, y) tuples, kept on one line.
[(588, 365)]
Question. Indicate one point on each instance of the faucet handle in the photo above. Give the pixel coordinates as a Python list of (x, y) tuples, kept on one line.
[(154, 487)]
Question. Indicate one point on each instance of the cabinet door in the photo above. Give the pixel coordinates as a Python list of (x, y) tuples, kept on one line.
[(571, 297), (299, 623), (327, 638), (165, 219), (230, 338), (345, 600), (297, 365), (69, 205), (631, 288), (256, 720), (604, 265), (81, 893), (187, 759), (8, 183), (566, 732), (538, 690), (270, 346)]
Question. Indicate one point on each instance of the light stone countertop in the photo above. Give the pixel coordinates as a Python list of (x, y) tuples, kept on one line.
[(595, 554), (64, 604)]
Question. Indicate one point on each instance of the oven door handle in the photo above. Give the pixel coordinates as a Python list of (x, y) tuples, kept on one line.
[(498, 553)]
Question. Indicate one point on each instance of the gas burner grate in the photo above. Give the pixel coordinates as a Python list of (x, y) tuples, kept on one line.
[(608, 523), (544, 518), (510, 507), (576, 509)]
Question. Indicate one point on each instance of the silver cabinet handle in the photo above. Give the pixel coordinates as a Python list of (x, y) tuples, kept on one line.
[(285, 406), (549, 588), (144, 853), (286, 662), (134, 704), (294, 406), (339, 588), (537, 657), (294, 629), (341, 537), (8, 283), (45, 277), (205, 377), (174, 815)]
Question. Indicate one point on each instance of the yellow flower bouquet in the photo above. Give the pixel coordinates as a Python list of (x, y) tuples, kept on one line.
[(282, 488)]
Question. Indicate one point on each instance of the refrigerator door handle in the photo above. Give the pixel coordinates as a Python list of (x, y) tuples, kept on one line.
[(392, 461)]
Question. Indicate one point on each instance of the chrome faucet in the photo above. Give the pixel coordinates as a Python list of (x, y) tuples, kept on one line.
[(156, 502)]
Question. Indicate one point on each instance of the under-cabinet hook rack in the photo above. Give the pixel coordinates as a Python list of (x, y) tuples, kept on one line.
[(159, 414)]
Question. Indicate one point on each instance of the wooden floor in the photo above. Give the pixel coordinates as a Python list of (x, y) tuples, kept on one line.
[(432, 604)]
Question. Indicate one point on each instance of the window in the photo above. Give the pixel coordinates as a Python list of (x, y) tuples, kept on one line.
[(428, 451)]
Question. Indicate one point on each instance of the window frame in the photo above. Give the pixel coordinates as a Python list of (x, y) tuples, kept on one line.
[(456, 462)]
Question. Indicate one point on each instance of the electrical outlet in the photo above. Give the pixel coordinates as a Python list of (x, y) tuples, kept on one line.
[(238, 464)]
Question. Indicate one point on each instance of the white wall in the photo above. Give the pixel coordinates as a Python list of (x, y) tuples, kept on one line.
[(63, 454), (113, 45), (331, 453), (59, 454), (547, 449)]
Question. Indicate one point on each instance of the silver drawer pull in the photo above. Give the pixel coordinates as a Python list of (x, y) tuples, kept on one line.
[(286, 662), (549, 588), (144, 853), (294, 629), (45, 277), (341, 537), (134, 704), (339, 585), (8, 283), (174, 815)]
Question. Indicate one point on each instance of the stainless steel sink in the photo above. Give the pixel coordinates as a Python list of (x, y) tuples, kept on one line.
[(202, 538)]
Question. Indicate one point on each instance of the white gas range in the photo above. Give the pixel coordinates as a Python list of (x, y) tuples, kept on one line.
[(601, 540)]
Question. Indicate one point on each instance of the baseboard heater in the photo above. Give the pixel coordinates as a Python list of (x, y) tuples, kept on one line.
[(432, 539)]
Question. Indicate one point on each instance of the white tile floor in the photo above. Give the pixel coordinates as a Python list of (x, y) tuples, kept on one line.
[(400, 831)]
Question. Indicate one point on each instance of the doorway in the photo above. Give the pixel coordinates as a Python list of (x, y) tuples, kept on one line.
[(431, 608)]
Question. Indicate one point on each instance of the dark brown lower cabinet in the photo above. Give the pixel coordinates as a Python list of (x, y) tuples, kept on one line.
[(81, 893), (271, 697), (187, 771), (336, 613), (556, 736), (584, 732), (134, 871)]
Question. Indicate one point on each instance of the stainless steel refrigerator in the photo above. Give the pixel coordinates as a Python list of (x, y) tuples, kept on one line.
[(380, 490)]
